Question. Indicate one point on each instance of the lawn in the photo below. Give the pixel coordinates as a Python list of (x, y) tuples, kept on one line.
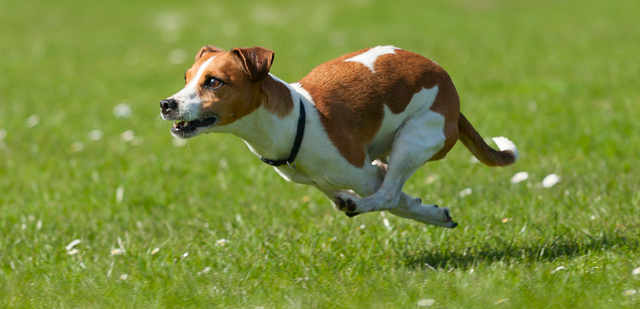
[(101, 207)]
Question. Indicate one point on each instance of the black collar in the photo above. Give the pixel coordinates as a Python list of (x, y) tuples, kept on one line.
[(290, 161)]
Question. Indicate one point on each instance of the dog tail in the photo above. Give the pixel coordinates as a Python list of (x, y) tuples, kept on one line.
[(471, 139)]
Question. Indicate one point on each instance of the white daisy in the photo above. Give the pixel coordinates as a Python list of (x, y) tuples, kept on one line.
[(119, 194), (127, 136), (95, 135), (72, 244), (118, 251), (386, 223), (551, 180), (122, 110), (465, 192), (426, 302), (32, 121), (519, 177)]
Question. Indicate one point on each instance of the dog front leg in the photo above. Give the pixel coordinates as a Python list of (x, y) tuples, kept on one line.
[(340, 204)]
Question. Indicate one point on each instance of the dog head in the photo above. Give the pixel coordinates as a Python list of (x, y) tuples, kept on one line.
[(221, 87)]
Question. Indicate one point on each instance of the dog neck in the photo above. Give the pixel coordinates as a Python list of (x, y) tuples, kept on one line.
[(270, 130)]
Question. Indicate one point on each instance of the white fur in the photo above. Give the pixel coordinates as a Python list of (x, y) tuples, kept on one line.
[(504, 143), (369, 57), (189, 103)]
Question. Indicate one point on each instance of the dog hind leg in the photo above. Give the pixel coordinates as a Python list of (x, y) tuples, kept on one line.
[(411, 208), (416, 142)]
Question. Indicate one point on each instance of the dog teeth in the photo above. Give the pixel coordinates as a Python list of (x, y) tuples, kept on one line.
[(180, 125)]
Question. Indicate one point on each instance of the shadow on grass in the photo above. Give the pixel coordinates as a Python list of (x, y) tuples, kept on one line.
[(534, 250)]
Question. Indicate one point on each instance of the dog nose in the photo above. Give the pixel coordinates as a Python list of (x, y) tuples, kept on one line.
[(167, 105)]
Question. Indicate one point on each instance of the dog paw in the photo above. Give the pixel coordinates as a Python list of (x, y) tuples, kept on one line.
[(449, 223), (347, 205), (439, 216)]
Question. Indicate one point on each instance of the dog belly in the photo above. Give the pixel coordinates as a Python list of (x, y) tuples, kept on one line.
[(336, 176)]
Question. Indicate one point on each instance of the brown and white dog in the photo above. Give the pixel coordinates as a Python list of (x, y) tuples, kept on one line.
[(336, 128)]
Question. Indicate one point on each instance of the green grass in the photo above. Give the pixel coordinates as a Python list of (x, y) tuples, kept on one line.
[(559, 78)]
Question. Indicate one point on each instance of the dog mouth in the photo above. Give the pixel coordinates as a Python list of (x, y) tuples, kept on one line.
[(186, 129)]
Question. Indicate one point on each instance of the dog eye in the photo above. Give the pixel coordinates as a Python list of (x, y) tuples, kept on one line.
[(213, 83)]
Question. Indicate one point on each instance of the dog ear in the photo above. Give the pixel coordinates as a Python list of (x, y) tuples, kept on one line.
[(256, 60), (207, 49)]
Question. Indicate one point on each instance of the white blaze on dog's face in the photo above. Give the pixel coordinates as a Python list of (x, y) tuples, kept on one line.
[(221, 87)]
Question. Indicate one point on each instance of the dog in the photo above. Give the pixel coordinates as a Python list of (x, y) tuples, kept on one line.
[(356, 127)]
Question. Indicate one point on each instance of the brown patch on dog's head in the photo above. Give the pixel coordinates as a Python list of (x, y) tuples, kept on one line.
[(244, 83), (238, 95)]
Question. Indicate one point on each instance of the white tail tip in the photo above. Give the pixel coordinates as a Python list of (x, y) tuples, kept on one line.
[(506, 145)]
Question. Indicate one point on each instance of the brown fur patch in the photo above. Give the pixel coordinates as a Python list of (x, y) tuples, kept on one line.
[(277, 97), (351, 99), (447, 104)]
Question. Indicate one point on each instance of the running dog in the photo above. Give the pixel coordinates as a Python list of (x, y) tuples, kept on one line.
[(356, 127)]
